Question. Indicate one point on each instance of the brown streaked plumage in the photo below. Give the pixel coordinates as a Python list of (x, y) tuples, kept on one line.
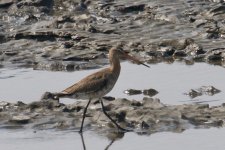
[(98, 84)]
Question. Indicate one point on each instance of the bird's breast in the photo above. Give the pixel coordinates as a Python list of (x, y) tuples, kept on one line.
[(111, 81)]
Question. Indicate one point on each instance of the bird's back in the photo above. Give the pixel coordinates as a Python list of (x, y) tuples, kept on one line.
[(93, 86)]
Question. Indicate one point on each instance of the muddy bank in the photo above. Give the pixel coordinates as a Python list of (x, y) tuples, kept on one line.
[(147, 116), (74, 35)]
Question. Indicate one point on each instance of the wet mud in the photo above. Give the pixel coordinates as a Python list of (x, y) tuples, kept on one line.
[(143, 117), (75, 35)]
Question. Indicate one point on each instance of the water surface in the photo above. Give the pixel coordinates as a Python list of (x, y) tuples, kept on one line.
[(171, 80), (196, 139)]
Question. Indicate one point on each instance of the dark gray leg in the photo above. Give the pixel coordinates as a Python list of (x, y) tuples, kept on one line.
[(84, 114), (114, 122)]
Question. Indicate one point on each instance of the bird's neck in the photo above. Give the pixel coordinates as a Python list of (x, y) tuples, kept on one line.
[(115, 65)]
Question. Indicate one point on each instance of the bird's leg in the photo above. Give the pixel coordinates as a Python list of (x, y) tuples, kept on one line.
[(84, 114), (114, 122)]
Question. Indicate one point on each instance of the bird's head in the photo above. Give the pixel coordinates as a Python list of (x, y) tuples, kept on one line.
[(119, 53)]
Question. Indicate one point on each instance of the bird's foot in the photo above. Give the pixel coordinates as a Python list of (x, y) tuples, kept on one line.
[(80, 131)]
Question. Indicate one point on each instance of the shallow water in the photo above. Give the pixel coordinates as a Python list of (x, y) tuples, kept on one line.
[(171, 80), (206, 139)]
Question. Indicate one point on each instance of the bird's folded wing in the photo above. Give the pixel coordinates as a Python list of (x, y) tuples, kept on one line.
[(88, 85)]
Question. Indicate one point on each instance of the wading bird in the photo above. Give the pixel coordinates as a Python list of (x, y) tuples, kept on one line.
[(98, 84)]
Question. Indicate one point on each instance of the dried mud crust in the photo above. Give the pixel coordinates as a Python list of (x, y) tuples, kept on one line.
[(73, 35), (146, 116)]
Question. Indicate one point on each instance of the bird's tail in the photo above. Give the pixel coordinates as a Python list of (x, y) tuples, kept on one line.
[(54, 96)]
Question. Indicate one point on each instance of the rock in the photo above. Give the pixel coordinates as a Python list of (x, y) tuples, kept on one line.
[(154, 53), (179, 53), (20, 104), (68, 44), (21, 119), (199, 58), (193, 93), (150, 92), (136, 103), (208, 90), (214, 58), (178, 44), (217, 1), (121, 116), (132, 92), (72, 108), (132, 8), (10, 53), (194, 49), (200, 22), (167, 51), (152, 103), (3, 103), (218, 10), (49, 104), (144, 125), (109, 98), (49, 96), (196, 120), (6, 3)]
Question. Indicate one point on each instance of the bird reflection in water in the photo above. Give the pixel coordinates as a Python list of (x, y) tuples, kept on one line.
[(112, 136), (82, 139)]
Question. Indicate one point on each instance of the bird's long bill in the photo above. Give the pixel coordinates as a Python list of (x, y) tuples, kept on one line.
[(135, 60)]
